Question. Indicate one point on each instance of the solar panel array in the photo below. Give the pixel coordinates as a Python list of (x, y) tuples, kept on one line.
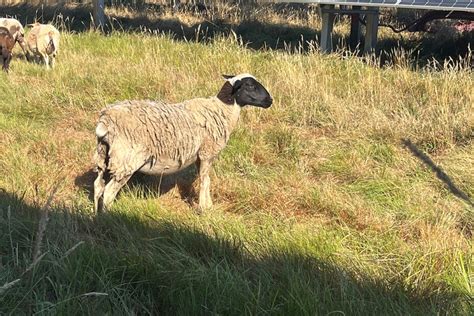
[(447, 5)]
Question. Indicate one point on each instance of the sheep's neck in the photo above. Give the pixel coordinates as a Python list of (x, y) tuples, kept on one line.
[(234, 116)]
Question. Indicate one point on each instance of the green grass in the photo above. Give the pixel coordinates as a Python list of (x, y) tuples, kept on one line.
[(319, 208)]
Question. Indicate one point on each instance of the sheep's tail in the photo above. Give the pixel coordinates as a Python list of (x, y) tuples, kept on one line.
[(101, 156), (101, 130)]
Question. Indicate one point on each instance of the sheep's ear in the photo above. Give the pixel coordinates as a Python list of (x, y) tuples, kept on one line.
[(226, 94), (228, 76)]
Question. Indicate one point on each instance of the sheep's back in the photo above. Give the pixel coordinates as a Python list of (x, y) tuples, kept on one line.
[(14, 26), (152, 129), (39, 36)]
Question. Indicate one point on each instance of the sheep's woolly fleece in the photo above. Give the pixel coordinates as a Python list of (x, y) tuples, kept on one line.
[(163, 136), (13, 25), (39, 37)]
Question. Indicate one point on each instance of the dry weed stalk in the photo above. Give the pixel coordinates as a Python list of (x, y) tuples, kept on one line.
[(8, 285), (42, 227)]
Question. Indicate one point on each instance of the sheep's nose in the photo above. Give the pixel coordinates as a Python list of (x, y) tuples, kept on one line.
[(268, 102)]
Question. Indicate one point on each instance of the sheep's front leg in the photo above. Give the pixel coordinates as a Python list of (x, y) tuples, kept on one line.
[(205, 200), (28, 56), (7, 57), (99, 187), (52, 61), (112, 188), (4, 64)]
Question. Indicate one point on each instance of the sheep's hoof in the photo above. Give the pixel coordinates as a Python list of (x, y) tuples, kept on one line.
[(98, 211), (201, 210), (100, 208)]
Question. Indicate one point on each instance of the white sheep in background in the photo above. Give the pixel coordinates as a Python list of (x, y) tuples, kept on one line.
[(16, 30), (156, 138), (43, 42)]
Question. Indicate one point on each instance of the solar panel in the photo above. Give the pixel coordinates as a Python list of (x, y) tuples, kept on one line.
[(372, 17), (448, 5)]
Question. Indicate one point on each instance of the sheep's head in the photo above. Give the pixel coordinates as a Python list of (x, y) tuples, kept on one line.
[(244, 90)]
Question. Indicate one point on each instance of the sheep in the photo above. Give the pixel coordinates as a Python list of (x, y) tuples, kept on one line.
[(6, 46), (156, 138), (16, 30), (43, 42)]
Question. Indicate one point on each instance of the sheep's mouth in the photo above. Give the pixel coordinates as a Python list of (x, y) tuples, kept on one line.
[(267, 103)]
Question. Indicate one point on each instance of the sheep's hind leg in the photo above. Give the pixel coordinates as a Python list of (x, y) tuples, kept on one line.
[(45, 58), (112, 188), (205, 200), (99, 187), (52, 61)]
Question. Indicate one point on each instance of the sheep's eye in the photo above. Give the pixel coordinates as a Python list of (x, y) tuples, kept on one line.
[(251, 87)]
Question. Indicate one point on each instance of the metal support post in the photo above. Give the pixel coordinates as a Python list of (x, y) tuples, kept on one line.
[(354, 37), (371, 29), (98, 13), (326, 31)]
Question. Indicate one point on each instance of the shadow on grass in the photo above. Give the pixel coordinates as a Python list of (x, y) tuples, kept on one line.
[(466, 225), (149, 185), (440, 174), (126, 263), (255, 34)]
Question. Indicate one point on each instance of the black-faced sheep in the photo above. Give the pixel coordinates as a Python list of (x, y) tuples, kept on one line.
[(158, 138)]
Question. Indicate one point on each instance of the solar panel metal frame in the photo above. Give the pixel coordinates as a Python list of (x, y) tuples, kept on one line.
[(443, 5)]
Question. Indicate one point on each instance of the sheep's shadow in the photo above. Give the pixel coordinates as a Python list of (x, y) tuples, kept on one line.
[(29, 58), (184, 180)]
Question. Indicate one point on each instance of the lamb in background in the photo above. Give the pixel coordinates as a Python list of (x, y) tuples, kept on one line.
[(43, 42), (156, 138), (16, 30), (6, 47)]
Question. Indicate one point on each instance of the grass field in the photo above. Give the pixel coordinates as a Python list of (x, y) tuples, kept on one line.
[(319, 206)]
